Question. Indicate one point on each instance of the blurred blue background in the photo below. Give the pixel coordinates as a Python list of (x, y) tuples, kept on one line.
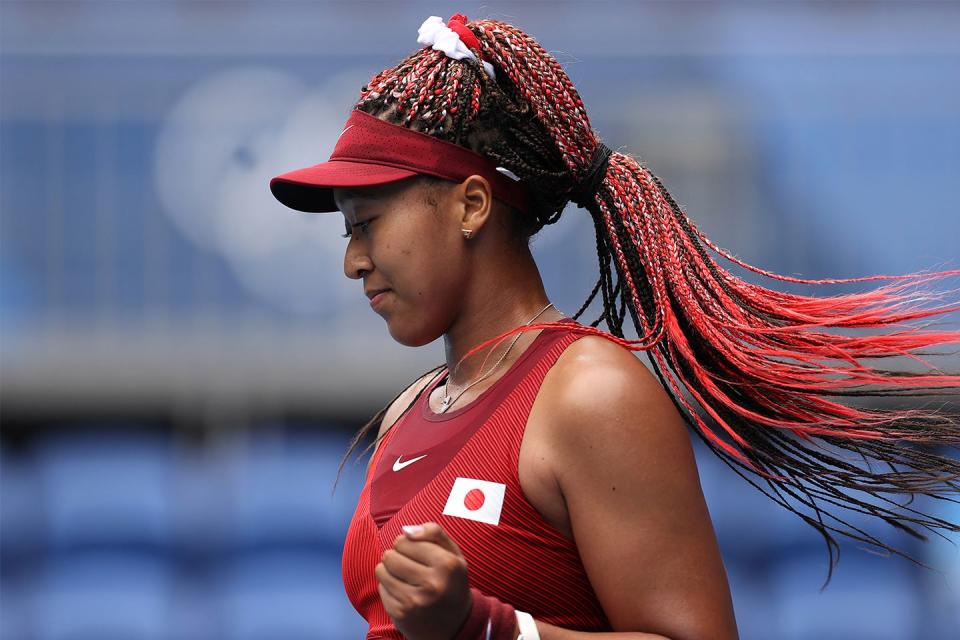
[(183, 362)]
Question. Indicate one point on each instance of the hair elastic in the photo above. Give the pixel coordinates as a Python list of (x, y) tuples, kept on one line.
[(583, 192)]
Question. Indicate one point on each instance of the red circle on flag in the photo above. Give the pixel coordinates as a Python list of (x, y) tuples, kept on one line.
[(474, 499)]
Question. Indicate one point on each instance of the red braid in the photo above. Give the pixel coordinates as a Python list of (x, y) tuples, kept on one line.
[(755, 360)]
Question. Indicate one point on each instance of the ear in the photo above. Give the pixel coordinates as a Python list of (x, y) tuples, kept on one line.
[(474, 197)]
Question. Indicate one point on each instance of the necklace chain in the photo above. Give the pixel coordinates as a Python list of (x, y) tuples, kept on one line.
[(447, 400)]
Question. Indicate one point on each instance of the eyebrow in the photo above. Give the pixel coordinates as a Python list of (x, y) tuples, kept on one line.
[(351, 194), (347, 225), (358, 200), (364, 193)]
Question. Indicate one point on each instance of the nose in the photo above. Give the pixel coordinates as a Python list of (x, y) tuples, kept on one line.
[(356, 262)]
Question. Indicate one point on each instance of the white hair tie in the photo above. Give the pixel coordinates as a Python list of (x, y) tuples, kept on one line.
[(434, 32)]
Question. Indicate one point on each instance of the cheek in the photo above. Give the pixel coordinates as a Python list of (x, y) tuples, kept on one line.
[(432, 282), (425, 305), (425, 263), (430, 286), (421, 254)]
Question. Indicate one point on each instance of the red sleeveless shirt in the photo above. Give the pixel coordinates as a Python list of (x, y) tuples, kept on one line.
[(473, 491)]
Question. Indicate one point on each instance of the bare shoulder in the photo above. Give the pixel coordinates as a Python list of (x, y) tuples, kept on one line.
[(399, 405), (594, 374), (623, 460), (602, 397)]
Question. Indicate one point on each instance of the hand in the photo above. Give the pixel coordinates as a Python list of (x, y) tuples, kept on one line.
[(423, 583)]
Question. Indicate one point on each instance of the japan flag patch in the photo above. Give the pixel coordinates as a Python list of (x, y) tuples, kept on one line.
[(476, 500)]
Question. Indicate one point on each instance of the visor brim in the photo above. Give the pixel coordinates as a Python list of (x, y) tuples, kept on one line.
[(311, 189)]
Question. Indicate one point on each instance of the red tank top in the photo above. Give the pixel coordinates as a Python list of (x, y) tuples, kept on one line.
[(468, 483)]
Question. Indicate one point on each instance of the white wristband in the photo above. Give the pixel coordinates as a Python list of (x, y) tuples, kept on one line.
[(528, 628)]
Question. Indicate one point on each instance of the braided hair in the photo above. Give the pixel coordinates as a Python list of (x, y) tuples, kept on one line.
[(755, 361)]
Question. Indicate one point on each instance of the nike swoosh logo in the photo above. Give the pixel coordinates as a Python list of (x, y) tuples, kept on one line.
[(400, 465), (345, 130)]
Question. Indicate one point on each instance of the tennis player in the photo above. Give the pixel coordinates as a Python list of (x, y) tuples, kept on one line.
[(541, 482)]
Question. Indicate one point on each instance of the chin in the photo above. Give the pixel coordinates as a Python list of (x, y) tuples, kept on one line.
[(411, 335)]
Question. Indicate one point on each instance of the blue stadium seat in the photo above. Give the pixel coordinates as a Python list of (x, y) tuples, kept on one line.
[(109, 488), (193, 612), (19, 513), (102, 595), (13, 615), (749, 525), (869, 598), (201, 503), (281, 490), (749, 587), (941, 587), (294, 595)]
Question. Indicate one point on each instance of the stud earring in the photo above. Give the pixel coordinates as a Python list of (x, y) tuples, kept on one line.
[(467, 233)]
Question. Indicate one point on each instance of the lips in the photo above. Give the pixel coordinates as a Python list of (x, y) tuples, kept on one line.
[(372, 293), (376, 296)]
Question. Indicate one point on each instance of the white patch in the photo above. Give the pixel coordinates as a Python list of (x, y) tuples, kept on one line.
[(478, 500), (397, 466), (508, 173)]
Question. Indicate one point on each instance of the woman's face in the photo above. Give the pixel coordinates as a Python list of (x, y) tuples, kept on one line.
[(402, 242)]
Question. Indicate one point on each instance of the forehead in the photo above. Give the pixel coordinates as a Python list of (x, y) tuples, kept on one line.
[(377, 193)]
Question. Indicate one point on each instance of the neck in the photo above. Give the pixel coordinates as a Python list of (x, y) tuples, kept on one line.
[(506, 297)]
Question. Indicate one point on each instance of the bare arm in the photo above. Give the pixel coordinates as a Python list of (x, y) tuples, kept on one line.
[(624, 463)]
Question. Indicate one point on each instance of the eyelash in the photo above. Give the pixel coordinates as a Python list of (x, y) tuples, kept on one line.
[(364, 226)]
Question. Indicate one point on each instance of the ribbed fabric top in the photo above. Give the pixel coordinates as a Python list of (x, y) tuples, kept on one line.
[(423, 441), (468, 483)]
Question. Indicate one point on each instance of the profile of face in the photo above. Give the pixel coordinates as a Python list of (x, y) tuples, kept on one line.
[(405, 239)]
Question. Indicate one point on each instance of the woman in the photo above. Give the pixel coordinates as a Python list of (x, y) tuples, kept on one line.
[(549, 489)]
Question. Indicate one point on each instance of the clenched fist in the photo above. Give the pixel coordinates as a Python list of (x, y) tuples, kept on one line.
[(423, 583)]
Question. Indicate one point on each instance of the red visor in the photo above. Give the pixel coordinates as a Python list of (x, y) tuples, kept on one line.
[(371, 152)]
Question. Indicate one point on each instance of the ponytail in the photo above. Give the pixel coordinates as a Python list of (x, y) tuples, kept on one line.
[(751, 369), (756, 364)]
